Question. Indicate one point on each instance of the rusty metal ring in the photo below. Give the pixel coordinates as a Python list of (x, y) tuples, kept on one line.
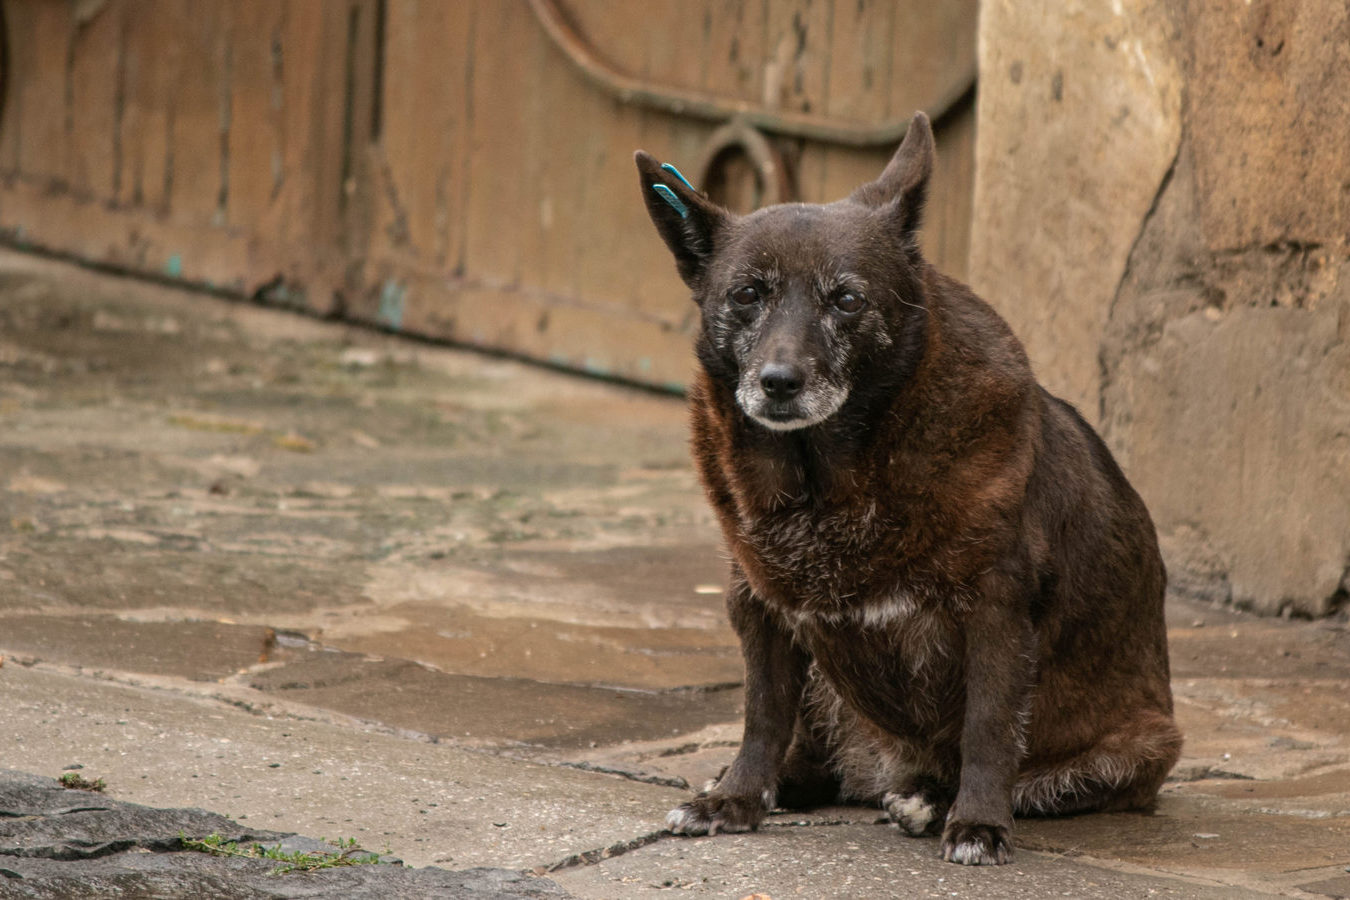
[(627, 88), (768, 164)]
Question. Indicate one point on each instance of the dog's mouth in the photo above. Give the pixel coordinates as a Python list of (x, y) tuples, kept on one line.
[(811, 408), (784, 415)]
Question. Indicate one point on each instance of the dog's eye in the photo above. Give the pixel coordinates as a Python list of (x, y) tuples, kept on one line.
[(848, 302), (744, 296)]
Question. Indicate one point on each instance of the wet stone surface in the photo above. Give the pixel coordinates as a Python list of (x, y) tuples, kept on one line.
[(221, 526), (491, 711), (182, 482)]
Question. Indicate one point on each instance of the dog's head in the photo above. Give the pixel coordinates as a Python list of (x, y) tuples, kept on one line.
[(803, 306)]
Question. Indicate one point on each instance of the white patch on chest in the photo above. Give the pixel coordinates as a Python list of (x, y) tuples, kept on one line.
[(881, 613), (886, 612)]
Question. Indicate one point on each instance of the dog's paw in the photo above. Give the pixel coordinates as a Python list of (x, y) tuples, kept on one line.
[(976, 845), (709, 813), (916, 813)]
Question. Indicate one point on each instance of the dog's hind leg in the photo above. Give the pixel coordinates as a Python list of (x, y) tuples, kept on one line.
[(807, 779), (865, 764), (1121, 771)]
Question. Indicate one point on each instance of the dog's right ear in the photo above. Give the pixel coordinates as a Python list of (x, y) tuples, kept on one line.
[(688, 222)]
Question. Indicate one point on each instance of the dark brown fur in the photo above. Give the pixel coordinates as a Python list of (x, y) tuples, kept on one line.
[(949, 598)]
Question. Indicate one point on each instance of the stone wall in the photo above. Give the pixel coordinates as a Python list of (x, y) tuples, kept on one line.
[(1163, 213)]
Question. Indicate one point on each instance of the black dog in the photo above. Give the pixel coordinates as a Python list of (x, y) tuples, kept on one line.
[(949, 599)]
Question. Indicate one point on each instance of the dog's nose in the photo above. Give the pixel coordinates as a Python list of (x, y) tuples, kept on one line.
[(781, 381)]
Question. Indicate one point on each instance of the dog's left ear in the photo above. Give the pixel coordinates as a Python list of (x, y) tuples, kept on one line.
[(904, 182), (688, 222)]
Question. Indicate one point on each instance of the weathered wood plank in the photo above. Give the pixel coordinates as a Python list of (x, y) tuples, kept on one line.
[(40, 40), (612, 261), (424, 135), (544, 166), (92, 99), (199, 106), (151, 61), (498, 189), (934, 51), (254, 167), (307, 166), (315, 52), (735, 53), (797, 34), (862, 40), (946, 238), (10, 142), (564, 213)]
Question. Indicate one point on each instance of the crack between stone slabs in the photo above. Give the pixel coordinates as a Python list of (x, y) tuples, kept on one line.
[(672, 781), (1206, 773), (592, 857), (600, 854), (267, 705), (715, 688), (100, 849), (1319, 869), (823, 823), (240, 678), (262, 704), (20, 814), (77, 853)]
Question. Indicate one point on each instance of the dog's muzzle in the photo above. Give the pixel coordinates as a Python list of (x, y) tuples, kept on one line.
[(784, 397)]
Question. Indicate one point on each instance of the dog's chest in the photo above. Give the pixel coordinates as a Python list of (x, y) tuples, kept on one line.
[(821, 559), (882, 624), (859, 563), (895, 660)]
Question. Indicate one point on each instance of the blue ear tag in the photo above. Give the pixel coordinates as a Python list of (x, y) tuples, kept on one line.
[(676, 172), (668, 195)]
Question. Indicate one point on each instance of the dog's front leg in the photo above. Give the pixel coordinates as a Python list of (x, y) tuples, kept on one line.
[(998, 681), (775, 672)]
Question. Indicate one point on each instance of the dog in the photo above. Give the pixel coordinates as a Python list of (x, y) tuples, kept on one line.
[(949, 598)]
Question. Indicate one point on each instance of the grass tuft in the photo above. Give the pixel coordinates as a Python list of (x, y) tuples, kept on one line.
[(76, 782), (292, 861)]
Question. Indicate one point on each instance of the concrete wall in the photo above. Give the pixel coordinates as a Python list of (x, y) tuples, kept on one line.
[(1163, 213)]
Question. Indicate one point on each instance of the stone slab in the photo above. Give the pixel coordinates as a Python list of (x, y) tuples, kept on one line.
[(57, 842), (852, 860), (323, 775)]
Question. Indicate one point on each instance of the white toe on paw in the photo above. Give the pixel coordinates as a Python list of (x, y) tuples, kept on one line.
[(979, 851), (683, 820), (910, 812), (970, 853), (714, 814)]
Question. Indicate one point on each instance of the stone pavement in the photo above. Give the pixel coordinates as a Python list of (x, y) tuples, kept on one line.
[(61, 842), (329, 582)]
